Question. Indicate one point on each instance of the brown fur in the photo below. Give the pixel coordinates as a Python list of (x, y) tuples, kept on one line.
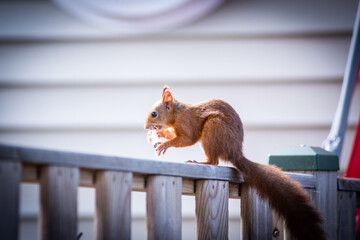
[(220, 130)]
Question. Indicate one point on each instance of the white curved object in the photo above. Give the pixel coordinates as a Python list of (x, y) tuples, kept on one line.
[(138, 16)]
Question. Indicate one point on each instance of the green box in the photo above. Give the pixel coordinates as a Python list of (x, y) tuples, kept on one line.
[(304, 158)]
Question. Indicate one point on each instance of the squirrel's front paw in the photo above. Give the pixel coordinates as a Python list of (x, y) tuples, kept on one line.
[(161, 149)]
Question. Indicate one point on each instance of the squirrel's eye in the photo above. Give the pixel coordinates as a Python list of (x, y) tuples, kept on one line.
[(154, 114)]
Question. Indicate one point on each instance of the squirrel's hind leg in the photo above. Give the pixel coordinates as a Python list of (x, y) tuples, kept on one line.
[(212, 139)]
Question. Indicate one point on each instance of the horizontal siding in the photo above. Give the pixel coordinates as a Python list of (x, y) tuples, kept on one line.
[(148, 62), (25, 20), (258, 143), (119, 108)]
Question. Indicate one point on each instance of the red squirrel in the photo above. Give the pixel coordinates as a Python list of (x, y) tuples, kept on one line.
[(219, 128)]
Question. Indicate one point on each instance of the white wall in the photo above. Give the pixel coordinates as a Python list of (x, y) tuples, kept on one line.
[(67, 85)]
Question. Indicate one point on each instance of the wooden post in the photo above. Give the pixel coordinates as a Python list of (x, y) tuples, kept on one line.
[(212, 213), (163, 206), (279, 229), (58, 203), (346, 210), (10, 177), (113, 205), (326, 200), (324, 165), (256, 215)]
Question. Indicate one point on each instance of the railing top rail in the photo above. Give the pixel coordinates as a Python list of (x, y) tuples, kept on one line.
[(147, 167), (100, 162), (349, 184)]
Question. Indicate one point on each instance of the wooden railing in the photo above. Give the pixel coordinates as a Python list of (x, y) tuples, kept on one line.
[(60, 173)]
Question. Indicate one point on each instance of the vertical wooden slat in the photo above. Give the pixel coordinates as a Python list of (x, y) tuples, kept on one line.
[(212, 213), (163, 207), (279, 224), (280, 232), (326, 200), (256, 215), (10, 177), (113, 205), (58, 202), (346, 208), (278, 229), (313, 195)]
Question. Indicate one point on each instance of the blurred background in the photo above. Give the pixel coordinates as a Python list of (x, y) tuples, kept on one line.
[(82, 75)]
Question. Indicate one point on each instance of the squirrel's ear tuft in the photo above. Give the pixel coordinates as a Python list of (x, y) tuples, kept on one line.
[(165, 88), (167, 95)]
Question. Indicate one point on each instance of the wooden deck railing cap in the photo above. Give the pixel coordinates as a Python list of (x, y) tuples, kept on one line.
[(93, 161), (147, 167)]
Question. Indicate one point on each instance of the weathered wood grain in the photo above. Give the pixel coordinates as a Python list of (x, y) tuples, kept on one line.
[(58, 203), (212, 213), (280, 232), (306, 180), (30, 173), (10, 177), (188, 186), (113, 205), (326, 200), (278, 227), (348, 184), (313, 195), (139, 182), (234, 190), (256, 215), (98, 162), (92, 162), (346, 210), (163, 207), (87, 178)]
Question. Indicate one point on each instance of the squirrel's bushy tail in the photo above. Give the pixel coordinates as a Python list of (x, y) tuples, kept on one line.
[(286, 197)]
